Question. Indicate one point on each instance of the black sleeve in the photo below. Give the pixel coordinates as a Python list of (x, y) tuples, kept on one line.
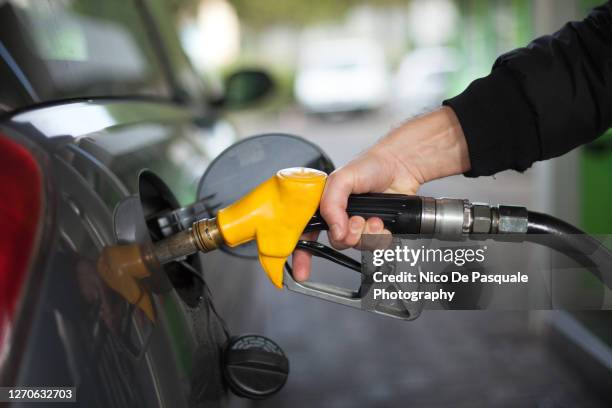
[(540, 101)]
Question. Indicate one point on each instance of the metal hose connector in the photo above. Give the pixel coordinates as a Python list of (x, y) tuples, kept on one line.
[(455, 218), (207, 234), (204, 235)]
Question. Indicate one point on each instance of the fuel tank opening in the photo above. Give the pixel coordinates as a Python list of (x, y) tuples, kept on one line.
[(156, 200)]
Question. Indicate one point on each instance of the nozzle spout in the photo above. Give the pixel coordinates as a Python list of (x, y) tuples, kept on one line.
[(203, 236)]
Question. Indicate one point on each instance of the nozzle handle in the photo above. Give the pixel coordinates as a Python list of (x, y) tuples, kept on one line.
[(400, 213)]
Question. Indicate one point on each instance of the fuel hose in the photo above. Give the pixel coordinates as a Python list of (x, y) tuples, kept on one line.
[(573, 242), (452, 219)]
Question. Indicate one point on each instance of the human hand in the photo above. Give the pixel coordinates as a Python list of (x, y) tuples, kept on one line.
[(423, 149)]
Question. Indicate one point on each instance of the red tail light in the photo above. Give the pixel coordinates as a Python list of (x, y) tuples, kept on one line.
[(20, 205)]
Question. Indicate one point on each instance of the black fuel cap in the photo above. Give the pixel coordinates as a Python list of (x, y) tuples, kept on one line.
[(254, 366)]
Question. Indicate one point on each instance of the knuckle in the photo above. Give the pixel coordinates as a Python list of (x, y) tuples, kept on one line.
[(332, 180), (339, 178), (340, 245)]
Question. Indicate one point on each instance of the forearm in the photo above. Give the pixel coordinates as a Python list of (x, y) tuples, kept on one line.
[(431, 146)]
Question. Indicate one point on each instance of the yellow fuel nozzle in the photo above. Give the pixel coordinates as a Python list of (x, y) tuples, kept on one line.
[(275, 214)]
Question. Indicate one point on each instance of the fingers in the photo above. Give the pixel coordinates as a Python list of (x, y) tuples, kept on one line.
[(356, 226), (368, 173), (377, 236), (374, 226), (333, 204), (302, 260)]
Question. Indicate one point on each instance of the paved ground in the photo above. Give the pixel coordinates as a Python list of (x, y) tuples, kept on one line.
[(346, 358)]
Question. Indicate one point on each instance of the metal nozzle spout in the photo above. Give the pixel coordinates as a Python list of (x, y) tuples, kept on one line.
[(204, 235)]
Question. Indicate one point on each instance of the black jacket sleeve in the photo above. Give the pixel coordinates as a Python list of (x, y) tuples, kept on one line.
[(540, 101)]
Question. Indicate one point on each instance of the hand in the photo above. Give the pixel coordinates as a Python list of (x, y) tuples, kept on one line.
[(423, 149)]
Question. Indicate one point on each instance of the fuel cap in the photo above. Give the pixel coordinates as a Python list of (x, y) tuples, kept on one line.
[(254, 366)]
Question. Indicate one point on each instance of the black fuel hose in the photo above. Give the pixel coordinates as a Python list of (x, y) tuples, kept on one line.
[(538, 223), (404, 214), (589, 252)]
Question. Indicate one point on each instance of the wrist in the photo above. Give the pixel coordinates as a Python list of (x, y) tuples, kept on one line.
[(431, 146)]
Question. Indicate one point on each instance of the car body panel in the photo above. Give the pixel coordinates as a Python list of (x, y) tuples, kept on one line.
[(93, 173), (144, 153)]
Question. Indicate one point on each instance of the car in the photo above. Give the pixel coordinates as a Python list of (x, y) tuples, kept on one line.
[(341, 75), (103, 127)]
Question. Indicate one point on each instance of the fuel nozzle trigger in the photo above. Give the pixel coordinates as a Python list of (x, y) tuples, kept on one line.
[(356, 298)]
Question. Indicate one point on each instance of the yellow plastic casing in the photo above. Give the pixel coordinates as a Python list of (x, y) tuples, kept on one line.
[(275, 214)]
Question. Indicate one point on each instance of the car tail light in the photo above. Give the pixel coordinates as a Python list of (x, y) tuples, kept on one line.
[(20, 205)]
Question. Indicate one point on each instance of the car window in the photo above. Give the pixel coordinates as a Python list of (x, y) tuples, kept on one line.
[(166, 15), (79, 48)]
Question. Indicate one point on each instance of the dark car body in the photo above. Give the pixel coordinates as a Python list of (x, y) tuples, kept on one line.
[(101, 95)]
